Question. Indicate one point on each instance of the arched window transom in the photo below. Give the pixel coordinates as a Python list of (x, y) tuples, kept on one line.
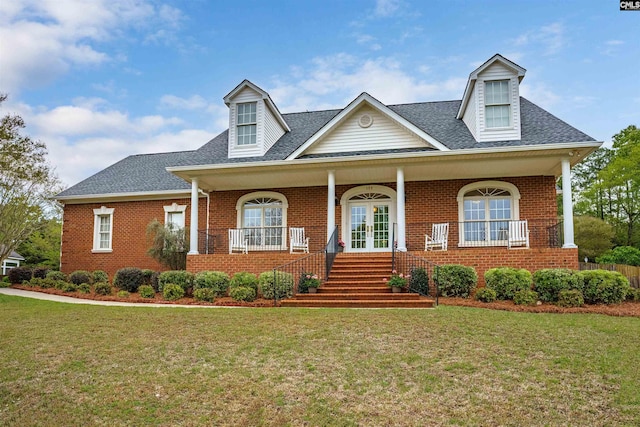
[(370, 196)]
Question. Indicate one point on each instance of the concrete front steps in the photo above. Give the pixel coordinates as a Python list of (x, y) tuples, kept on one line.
[(356, 281)]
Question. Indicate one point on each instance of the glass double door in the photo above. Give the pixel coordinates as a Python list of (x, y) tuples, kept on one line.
[(369, 226)]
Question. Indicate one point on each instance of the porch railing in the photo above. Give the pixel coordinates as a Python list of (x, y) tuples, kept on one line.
[(318, 263), (216, 240), (543, 233)]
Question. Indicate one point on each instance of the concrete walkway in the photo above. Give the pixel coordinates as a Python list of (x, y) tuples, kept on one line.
[(70, 300)]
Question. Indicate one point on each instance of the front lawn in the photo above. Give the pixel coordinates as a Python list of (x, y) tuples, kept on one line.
[(65, 364)]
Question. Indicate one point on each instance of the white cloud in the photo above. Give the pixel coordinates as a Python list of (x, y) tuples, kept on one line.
[(42, 39), (550, 37), (385, 8), (539, 94), (196, 102)]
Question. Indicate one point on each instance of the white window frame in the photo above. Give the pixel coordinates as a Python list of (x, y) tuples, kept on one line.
[(514, 198), (175, 208), (264, 195), (8, 264), (97, 214), (250, 125), (488, 106)]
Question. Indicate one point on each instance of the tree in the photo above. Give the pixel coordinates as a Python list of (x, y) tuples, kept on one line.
[(42, 247), (627, 255), (168, 244), (26, 183), (593, 236)]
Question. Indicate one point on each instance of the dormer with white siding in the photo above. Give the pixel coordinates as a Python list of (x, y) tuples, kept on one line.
[(491, 103), (255, 123)]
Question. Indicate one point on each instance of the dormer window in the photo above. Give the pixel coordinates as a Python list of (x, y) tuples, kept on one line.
[(247, 123), (497, 105)]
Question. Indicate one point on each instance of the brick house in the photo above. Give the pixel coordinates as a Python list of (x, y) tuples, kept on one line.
[(382, 174)]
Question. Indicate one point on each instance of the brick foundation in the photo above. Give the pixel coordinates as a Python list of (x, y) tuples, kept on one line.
[(255, 262)]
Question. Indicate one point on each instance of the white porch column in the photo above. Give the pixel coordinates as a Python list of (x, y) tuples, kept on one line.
[(193, 235), (567, 205), (331, 203), (401, 237)]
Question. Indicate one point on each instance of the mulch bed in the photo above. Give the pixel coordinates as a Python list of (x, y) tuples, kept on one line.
[(623, 309)]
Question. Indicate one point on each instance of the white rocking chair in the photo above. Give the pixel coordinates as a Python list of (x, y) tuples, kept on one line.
[(297, 240), (439, 237), (518, 234), (237, 241)]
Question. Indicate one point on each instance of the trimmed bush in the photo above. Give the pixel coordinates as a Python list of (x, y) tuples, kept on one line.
[(20, 274), (123, 294), (172, 291), (604, 287), (549, 282), (456, 280), (68, 287), (128, 279), (47, 283), (155, 281), (146, 276), (84, 288), (4, 283), (419, 281), (242, 293), (102, 288), (56, 275), (283, 288), (146, 291), (60, 284), (570, 298), (181, 278), (80, 276), (218, 281), (100, 276), (628, 255), (526, 297), (506, 281), (486, 295), (633, 294), (40, 272), (244, 279), (204, 294)]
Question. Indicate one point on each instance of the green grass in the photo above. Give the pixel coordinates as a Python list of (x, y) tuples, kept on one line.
[(75, 365)]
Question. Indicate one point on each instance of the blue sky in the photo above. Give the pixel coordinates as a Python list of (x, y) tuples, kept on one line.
[(102, 79)]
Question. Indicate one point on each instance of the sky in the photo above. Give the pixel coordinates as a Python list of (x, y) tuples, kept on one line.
[(99, 80)]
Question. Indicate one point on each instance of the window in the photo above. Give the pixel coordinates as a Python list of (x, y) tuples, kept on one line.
[(263, 216), (174, 216), (102, 229), (247, 123), (485, 209), (497, 106), (8, 264)]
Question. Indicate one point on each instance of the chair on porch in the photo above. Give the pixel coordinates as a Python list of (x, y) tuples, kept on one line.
[(237, 241), (518, 234), (297, 240), (439, 237)]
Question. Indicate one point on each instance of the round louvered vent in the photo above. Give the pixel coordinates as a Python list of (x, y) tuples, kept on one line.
[(365, 121)]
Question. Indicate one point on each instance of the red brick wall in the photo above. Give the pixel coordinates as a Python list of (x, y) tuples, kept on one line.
[(129, 240), (254, 262)]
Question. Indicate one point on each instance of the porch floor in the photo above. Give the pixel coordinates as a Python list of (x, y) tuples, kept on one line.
[(356, 281)]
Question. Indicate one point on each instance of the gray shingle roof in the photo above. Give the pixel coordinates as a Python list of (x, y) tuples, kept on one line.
[(146, 172)]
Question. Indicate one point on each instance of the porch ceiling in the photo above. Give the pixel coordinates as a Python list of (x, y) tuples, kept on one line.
[(421, 166)]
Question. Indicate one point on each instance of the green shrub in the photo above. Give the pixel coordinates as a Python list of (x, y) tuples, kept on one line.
[(5, 279), (146, 291), (84, 288), (242, 293), (570, 298), (549, 282), (155, 281), (68, 287), (633, 294), (60, 284), (123, 294), (102, 288), (47, 283), (19, 274), (56, 275), (218, 281), (244, 279), (604, 287), (419, 281), (526, 297), (486, 295), (628, 255), (172, 291), (506, 281), (181, 278), (146, 276), (40, 272), (456, 280), (100, 276), (80, 276), (283, 288), (204, 294), (4, 283), (128, 279)]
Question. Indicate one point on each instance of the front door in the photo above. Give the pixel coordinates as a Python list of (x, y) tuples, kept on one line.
[(370, 229)]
